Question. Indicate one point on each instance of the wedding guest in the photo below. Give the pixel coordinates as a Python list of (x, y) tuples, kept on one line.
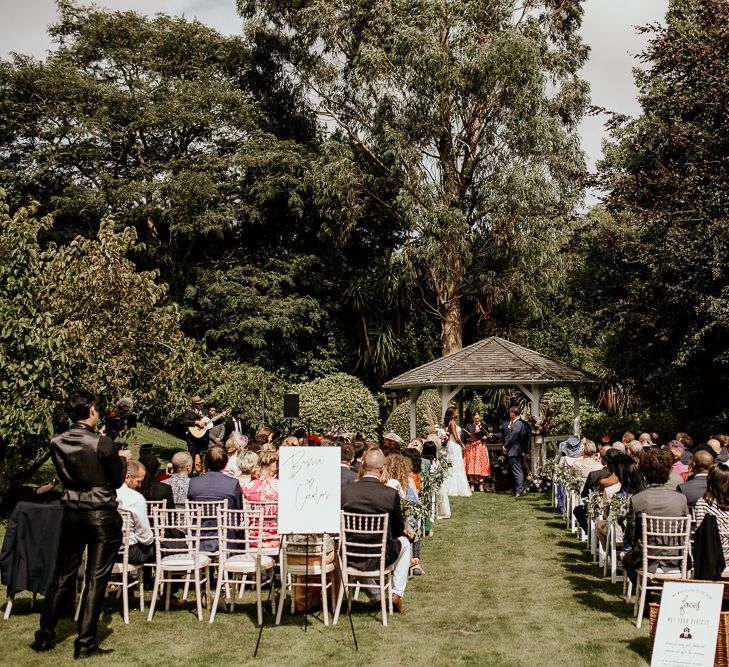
[(417, 445), (232, 449), (724, 450), (587, 463), (141, 539), (391, 442), (247, 463), (630, 482), (179, 480), (369, 496), (264, 486), (634, 449), (656, 499), (150, 488), (678, 468), (347, 459), (416, 461), (627, 437), (645, 440), (716, 502), (695, 487)]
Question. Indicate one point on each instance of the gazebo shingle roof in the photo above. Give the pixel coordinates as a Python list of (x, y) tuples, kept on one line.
[(493, 361)]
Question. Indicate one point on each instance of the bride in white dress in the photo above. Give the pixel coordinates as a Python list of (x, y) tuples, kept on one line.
[(456, 482)]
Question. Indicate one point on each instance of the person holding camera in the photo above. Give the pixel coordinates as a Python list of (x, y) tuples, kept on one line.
[(91, 469)]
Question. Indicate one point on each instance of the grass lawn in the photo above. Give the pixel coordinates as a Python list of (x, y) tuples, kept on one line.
[(505, 584)]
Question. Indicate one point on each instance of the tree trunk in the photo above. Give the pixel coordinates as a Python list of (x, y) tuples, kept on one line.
[(452, 326)]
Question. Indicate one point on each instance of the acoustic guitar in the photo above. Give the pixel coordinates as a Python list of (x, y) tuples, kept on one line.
[(200, 431)]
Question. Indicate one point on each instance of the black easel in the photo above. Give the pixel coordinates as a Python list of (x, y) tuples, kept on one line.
[(306, 595)]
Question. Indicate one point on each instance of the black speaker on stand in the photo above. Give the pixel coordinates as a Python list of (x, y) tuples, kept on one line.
[(291, 408)]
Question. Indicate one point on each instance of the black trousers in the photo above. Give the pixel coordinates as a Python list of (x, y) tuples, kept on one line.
[(516, 469), (100, 531)]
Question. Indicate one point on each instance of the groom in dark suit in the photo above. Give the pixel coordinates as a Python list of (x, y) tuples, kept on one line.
[(514, 437)]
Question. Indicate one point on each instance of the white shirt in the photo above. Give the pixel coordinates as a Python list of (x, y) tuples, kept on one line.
[(133, 501)]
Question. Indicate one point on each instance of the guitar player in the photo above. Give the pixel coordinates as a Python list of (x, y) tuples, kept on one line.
[(194, 417)]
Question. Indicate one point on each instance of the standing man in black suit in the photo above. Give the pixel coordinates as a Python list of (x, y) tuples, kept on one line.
[(369, 496), (91, 469), (515, 441)]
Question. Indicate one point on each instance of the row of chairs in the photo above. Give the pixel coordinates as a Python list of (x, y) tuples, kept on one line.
[(666, 551), (246, 554)]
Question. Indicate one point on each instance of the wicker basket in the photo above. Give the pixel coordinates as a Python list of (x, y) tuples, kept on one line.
[(721, 657)]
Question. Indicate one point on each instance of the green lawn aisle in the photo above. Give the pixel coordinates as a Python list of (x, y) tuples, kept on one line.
[(506, 584)]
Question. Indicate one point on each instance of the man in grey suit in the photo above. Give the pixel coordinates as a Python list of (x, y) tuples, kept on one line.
[(695, 487), (656, 500)]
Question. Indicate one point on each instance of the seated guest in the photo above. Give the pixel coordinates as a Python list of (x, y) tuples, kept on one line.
[(678, 467), (264, 487), (655, 500), (179, 480), (416, 462), (627, 437), (233, 446), (391, 442), (712, 446), (655, 438), (587, 463), (151, 489), (264, 435), (695, 487), (724, 447), (247, 462), (141, 539), (360, 445), (645, 440), (213, 484), (594, 478), (716, 502), (347, 459), (634, 449), (630, 482), (369, 496), (417, 445)]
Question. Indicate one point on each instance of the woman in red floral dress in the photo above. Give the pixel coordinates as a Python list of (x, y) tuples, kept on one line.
[(476, 454)]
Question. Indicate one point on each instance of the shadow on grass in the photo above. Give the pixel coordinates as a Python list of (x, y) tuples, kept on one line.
[(641, 646)]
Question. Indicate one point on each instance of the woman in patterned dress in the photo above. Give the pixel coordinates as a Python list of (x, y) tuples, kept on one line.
[(476, 454)]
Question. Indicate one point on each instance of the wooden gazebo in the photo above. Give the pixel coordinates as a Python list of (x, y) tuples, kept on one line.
[(493, 362)]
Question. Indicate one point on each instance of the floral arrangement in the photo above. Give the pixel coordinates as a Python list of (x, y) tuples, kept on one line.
[(594, 505), (431, 482), (619, 507), (414, 515)]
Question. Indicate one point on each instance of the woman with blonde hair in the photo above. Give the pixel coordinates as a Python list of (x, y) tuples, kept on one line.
[(247, 463)]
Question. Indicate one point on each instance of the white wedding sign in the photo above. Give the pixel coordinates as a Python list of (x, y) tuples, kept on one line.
[(688, 622), (309, 491)]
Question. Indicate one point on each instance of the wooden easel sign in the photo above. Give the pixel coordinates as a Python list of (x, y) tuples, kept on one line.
[(688, 622), (309, 490)]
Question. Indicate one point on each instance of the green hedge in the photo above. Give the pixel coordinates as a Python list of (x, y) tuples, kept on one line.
[(338, 400), (399, 419)]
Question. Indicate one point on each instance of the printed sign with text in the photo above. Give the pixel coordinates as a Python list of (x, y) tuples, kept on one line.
[(688, 622), (310, 486)]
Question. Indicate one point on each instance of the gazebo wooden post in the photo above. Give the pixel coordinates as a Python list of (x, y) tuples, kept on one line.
[(459, 402), (575, 389), (414, 394), (447, 394), (534, 393)]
